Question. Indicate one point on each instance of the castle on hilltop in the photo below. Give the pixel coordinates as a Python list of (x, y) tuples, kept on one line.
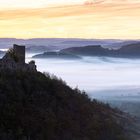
[(14, 59)]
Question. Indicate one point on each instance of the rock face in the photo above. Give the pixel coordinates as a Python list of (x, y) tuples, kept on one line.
[(14, 59)]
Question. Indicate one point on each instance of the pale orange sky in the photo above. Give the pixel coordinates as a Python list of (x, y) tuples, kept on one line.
[(118, 19)]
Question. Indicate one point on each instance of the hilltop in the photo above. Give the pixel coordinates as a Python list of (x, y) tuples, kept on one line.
[(130, 50), (87, 50)]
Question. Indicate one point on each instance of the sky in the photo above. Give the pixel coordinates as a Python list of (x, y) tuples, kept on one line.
[(103, 19)]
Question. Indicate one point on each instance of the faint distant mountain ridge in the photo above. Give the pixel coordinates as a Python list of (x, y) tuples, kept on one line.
[(87, 50), (39, 48), (121, 44), (47, 44), (131, 50)]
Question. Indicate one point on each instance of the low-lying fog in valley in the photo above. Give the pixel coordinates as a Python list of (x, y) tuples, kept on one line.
[(112, 80), (99, 76)]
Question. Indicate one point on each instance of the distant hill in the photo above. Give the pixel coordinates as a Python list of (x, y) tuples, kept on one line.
[(35, 106), (51, 44), (87, 50), (39, 48), (131, 50), (58, 55), (117, 45)]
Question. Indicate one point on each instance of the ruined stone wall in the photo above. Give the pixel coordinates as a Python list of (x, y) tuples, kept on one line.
[(7, 62), (20, 52)]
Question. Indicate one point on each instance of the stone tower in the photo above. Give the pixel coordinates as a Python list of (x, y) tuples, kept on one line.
[(14, 60), (20, 52)]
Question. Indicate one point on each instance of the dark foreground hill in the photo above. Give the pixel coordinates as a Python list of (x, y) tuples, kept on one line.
[(34, 106)]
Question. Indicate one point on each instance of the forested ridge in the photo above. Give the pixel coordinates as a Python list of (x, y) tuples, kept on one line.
[(37, 106)]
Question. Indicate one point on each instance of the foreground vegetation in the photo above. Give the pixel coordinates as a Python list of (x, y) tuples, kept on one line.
[(36, 106)]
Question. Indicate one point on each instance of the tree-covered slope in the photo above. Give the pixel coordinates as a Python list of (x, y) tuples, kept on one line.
[(34, 106)]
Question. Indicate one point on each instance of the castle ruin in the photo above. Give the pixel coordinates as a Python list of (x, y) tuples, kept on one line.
[(14, 59), (20, 52)]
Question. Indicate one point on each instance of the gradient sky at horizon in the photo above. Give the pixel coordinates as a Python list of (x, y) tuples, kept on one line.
[(116, 19)]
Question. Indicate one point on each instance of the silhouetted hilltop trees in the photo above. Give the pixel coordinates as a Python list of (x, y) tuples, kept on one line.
[(36, 106)]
